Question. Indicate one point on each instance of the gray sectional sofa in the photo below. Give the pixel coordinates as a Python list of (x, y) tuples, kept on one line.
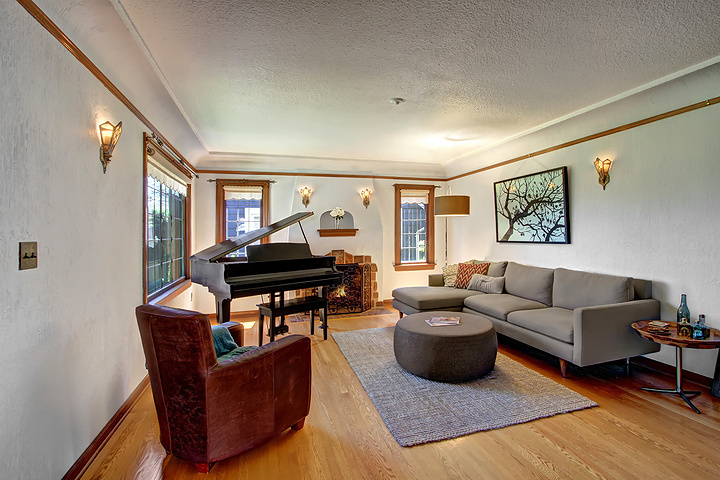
[(580, 317)]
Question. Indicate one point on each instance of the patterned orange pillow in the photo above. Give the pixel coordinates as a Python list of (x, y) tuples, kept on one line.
[(467, 270)]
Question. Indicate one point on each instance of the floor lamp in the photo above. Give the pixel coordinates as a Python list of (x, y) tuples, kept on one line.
[(451, 206)]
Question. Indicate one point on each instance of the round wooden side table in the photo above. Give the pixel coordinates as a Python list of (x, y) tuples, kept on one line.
[(673, 339)]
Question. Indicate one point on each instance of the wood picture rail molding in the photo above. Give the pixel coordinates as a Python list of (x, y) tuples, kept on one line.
[(55, 31), (310, 174), (604, 133)]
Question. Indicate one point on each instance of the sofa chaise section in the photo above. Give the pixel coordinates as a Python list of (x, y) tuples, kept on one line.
[(408, 300)]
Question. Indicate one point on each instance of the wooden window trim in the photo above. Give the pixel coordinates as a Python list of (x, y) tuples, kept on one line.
[(220, 226), (181, 284), (429, 263)]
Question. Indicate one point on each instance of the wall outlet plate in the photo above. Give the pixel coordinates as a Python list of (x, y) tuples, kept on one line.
[(28, 255)]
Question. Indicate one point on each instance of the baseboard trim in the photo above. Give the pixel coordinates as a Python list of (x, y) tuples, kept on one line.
[(82, 463), (669, 370)]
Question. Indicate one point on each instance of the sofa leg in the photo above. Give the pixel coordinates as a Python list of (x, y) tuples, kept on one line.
[(298, 425), (563, 367), (627, 367), (203, 467)]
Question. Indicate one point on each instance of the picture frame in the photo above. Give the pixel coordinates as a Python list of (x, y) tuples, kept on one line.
[(533, 208)]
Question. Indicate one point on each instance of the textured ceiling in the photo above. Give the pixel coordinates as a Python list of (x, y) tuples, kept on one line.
[(314, 78)]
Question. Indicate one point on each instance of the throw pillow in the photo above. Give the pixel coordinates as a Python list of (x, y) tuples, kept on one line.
[(486, 284), (223, 340), (466, 271), (449, 272)]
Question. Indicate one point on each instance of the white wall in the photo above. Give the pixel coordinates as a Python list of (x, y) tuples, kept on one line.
[(375, 226), (656, 220), (70, 349)]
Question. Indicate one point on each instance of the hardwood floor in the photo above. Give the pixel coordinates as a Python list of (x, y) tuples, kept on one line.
[(632, 434)]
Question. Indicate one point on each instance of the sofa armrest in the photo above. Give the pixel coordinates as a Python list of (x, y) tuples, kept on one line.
[(603, 333), (237, 331), (435, 280), (269, 386)]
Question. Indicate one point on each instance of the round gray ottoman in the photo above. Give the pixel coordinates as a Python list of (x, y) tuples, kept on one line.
[(456, 353)]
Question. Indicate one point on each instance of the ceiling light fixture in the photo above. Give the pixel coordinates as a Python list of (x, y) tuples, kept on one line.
[(397, 100)]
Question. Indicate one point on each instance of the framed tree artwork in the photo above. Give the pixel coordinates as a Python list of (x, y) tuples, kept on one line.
[(533, 208)]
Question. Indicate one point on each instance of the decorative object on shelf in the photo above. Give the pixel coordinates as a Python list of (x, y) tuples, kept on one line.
[(603, 169), (305, 194), (337, 213), (684, 329), (365, 194), (109, 136), (533, 208), (340, 226)]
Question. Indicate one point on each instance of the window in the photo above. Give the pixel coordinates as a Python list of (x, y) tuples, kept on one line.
[(242, 206), (166, 223), (414, 227)]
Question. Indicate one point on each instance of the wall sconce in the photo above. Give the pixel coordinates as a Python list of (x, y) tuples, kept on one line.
[(603, 169), (305, 194), (109, 136), (365, 194)]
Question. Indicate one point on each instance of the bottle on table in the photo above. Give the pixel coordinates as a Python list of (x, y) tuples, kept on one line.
[(684, 328), (700, 330)]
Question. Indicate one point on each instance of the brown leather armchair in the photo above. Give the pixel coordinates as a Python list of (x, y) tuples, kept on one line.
[(209, 411)]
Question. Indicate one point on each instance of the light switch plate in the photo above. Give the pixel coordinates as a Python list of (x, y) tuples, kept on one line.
[(28, 255)]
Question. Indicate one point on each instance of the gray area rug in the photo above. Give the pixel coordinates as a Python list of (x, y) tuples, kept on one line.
[(418, 411)]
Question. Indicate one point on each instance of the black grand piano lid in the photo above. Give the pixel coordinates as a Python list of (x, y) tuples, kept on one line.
[(219, 250)]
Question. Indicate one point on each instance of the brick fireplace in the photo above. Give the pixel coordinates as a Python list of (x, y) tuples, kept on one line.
[(359, 289)]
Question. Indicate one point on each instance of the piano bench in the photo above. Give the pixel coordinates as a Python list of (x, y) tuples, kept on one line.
[(287, 307)]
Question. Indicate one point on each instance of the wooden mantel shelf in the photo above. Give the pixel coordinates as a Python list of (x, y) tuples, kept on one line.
[(337, 232)]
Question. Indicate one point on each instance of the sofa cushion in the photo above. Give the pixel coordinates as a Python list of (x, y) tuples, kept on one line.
[(467, 270), (573, 289), (533, 283), (500, 305), (553, 322), (432, 298), (497, 269), (449, 273), (486, 283)]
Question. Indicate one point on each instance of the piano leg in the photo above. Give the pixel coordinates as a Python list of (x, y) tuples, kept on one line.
[(323, 311), (260, 329), (222, 309)]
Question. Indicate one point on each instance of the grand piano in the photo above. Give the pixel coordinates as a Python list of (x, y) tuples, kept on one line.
[(271, 268)]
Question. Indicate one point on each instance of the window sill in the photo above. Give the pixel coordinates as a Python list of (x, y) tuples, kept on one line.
[(167, 297), (414, 266)]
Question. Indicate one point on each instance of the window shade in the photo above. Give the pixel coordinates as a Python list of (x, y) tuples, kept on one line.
[(414, 196), (248, 192), (163, 175)]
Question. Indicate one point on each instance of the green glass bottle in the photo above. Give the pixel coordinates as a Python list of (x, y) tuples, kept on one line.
[(684, 328), (700, 330)]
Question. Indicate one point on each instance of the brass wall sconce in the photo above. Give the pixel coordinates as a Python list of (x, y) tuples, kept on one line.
[(305, 194), (109, 136), (603, 169), (365, 194)]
